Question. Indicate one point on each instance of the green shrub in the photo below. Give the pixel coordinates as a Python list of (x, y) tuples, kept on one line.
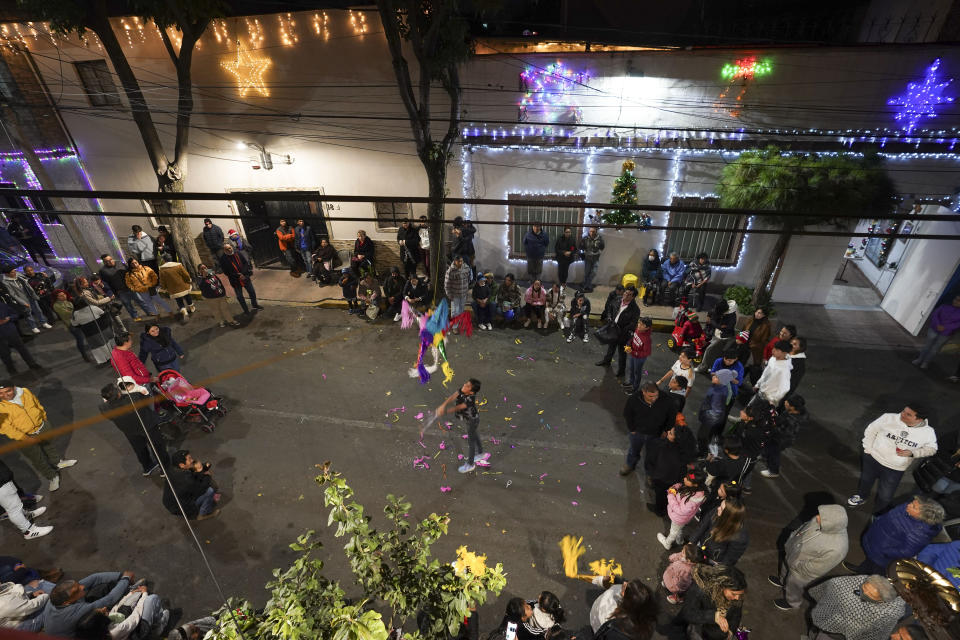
[(743, 296)]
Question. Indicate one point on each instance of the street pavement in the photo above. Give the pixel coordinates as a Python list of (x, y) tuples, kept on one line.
[(306, 385)]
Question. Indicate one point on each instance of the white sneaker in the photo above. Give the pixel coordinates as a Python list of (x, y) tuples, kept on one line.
[(39, 511), (586, 338), (55, 483), (46, 325), (490, 328), (396, 318), (63, 464), (36, 532), (480, 457), (467, 467), (766, 473), (35, 330), (663, 540), (570, 338), (855, 500)]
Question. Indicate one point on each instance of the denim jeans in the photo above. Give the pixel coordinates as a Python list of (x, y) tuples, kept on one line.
[(932, 346), (128, 298), (945, 485), (634, 371), (473, 440), (35, 316), (307, 261), (290, 256), (589, 271), (206, 502), (457, 305), (637, 440), (150, 302), (238, 291), (888, 479)]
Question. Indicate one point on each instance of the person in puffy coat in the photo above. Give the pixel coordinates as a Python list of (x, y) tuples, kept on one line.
[(712, 607), (945, 559), (535, 300), (713, 409), (143, 280), (812, 551), (158, 343), (20, 608), (683, 501), (176, 281), (721, 536), (901, 532)]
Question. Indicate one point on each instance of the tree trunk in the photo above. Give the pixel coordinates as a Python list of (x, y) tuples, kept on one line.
[(437, 180), (179, 227), (763, 290)]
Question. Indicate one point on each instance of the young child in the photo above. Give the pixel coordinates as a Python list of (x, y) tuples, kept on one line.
[(464, 406), (348, 285), (683, 502), (679, 575), (682, 367), (638, 350), (678, 392)]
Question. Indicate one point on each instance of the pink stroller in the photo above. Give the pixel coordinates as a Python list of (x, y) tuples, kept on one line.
[(193, 404)]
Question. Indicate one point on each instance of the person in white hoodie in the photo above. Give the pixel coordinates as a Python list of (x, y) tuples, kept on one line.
[(20, 608), (890, 444), (774, 383)]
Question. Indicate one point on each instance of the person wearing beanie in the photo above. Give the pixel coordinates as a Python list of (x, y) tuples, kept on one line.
[(240, 244), (742, 345), (482, 305), (722, 330)]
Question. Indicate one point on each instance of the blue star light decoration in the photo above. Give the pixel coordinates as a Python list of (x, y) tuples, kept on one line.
[(922, 98)]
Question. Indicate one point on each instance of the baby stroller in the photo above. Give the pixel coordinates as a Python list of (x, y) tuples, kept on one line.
[(193, 404)]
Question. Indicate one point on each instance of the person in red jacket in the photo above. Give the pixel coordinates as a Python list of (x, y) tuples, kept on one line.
[(126, 362), (787, 332), (638, 350), (285, 240)]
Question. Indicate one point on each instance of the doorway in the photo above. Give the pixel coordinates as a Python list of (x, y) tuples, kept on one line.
[(261, 217)]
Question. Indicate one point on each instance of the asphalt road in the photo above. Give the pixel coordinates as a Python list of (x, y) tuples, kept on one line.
[(307, 385)]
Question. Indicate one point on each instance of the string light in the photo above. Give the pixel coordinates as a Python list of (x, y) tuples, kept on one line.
[(248, 68), (547, 92), (921, 99), (254, 33), (288, 33), (746, 68), (220, 31), (358, 21), (321, 24)]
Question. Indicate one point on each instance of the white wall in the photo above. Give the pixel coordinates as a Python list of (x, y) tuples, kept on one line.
[(809, 268), (925, 269)]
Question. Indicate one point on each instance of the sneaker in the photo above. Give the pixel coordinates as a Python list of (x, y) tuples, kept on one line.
[(782, 604), (223, 324), (526, 323), (855, 500), (63, 464), (39, 511), (152, 469), (775, 581), (849, 566), (570, 338), (207, 516), (35, 330), (396, 318), (672, 599), (258, 307), (481, 457), (55, 483), (916, 362), (192, 309), (766, 473), (663, 540), (36, 532), (466, 467), (46, 325), (626, 470), (586, 338)]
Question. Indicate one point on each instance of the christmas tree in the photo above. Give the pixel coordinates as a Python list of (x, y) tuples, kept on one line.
[(624, 192)]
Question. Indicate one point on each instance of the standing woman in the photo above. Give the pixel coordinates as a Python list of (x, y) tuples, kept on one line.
[(175, 279), (158, 342), (565, 250), (143, 281), (64, 310), (97, 328), (212, 289), (759, 329), (363, 254), (721, 537), (713, 606), (536, 304)]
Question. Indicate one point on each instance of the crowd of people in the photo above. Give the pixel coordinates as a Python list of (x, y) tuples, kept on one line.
[(699, 476)]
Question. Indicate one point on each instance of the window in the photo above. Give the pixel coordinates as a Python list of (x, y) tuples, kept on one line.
[(98, 83), (391, 214), (522, 215), (716, 236)]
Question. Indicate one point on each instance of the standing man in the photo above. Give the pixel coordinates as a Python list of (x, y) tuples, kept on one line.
[(42, 285), (22, 418), (464, 404), (535, 247), (305, 243), (698, 275), (286, 241), (409, 240), (138, 424), (625, 317), (774, 382), (890, 444), (944, 322), (23, 294), (13, 506), (673, 270), (812, 551), (591, 246), (565, 250), (116, 279), (649, 414), (213, 238), (10, 339), (457, 285), (239, 272), (140, 246)]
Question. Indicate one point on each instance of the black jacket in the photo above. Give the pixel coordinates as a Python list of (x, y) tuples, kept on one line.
[(699, 609), (188, 485), (627, 321), (236, 266), (127, 421), (211, 286), (481, 292), (664, 462), (213, 238), (789, 425), (728, 552), (462, 246), (799, 367), (687, 442), (649, 267), (725, 469), (393, 287), (649, 420), (115, 278), (610, 307), (583, 309), (565, 244), (418, 291), (411, 242)]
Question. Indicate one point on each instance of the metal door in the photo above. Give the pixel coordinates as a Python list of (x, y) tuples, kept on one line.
[(261, 217)]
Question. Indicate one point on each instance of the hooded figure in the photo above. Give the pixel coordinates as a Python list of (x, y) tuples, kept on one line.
[(713, 409), (812, 551)]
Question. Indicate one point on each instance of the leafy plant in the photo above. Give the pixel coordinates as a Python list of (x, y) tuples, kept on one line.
[(392, 567), (743, 296)]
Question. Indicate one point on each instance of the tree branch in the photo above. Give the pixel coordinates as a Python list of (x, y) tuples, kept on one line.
[(391, 31), (451, 83)]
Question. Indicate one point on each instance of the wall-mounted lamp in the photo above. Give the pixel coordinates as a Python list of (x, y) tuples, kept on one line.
[(265, 160)]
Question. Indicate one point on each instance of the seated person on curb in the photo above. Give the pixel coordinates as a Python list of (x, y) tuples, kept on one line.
[(138, 616), (194, 487), (67, 604), (369, 295), (393, 292), (482, 305), (509, 299), (415, 293), (21, 607)]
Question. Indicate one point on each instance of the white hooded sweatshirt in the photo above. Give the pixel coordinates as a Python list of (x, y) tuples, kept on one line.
[(888, 433), (774, 382)]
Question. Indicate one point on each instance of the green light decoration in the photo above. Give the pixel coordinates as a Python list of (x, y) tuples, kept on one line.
[(624, 192), (747, 68)]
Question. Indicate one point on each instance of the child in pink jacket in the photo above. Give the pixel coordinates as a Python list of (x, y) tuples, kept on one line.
[(683, 502), (679, 575)]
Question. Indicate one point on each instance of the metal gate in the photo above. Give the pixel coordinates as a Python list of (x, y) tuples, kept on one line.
[(261, 217)]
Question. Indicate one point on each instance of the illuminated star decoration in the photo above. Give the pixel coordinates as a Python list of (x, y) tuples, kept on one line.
[(921, 98), (248, 69)]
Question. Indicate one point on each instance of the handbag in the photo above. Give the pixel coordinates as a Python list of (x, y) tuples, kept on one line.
[(608, 333), (929, 471)]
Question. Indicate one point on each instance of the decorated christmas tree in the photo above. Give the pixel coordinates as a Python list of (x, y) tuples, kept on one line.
[(624, 192)]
